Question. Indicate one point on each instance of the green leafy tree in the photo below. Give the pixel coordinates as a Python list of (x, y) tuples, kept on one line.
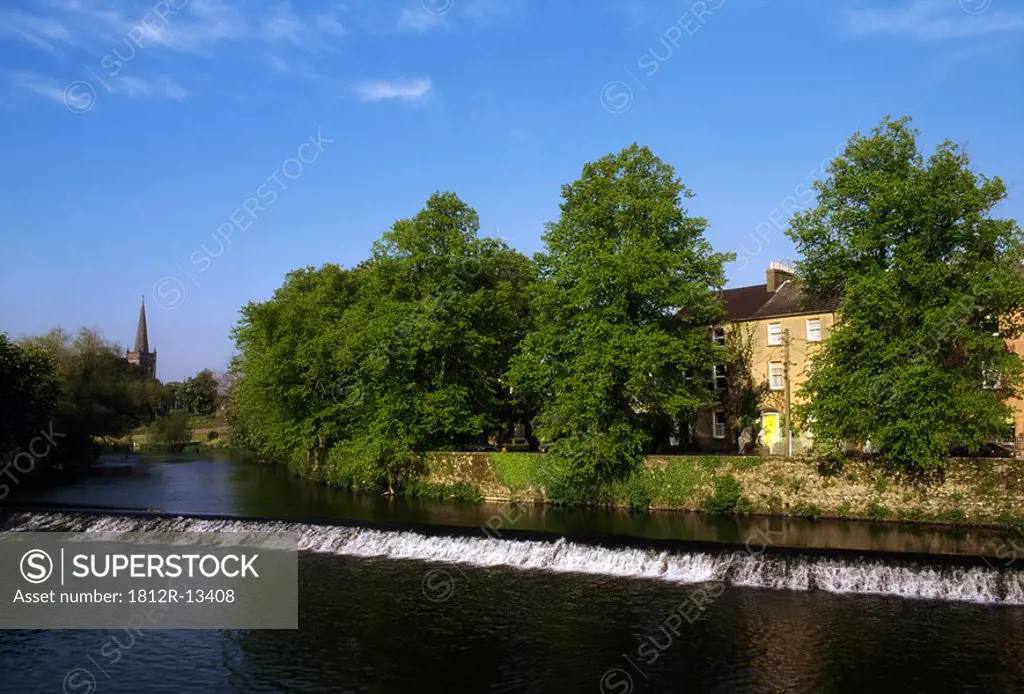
[(290, 396), (449, 309), (101, 394), (351, 374), (741, 401), (622, 309), (198, 393), (29, 392), (172, 395), (170, 428), (929, 281)]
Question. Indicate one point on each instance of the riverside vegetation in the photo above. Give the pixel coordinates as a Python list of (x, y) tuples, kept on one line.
[(972, 491), (443, 340)]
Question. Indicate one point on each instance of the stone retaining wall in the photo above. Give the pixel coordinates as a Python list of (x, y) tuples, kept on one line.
[(989, 491)]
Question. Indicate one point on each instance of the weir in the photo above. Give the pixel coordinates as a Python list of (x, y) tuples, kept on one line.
[(752, 566)]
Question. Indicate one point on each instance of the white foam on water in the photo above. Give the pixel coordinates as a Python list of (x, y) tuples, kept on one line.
[(740, 568)]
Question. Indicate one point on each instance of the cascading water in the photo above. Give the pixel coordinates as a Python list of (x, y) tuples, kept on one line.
[(741, 568)]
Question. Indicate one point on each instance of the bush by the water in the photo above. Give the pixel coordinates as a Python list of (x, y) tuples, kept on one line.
[(728, 497), (169, 428)]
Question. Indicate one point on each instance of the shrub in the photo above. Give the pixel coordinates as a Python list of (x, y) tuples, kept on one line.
[(910, 514), (810, 511), (954, 515), (212, 435), (634, 492), (881, 484), (843, 509), (727, 498), (877, 511), (775, 505), (831, 464), (170, 428), (1011, 520)]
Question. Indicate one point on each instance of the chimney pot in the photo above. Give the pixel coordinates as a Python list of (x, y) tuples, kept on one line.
[(778, 274)]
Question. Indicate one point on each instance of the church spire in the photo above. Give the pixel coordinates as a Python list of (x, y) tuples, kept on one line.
[(141, 333)]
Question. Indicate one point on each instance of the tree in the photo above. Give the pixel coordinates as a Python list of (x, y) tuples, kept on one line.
[(350, 374), (29, 392), (101, 394), (448, 310), (622, 310), (741, 401), (928, 281), (170, 428), (172, 395), (198, 393)]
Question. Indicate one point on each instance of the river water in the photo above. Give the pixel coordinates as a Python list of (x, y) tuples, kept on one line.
[(410, 597)]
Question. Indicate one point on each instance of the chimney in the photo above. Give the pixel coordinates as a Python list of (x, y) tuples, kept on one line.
[(777, 274)]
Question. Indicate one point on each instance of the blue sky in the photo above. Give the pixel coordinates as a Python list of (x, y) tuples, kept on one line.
[(133, 132)]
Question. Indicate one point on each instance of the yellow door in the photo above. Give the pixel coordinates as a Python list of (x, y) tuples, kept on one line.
[(770, 428)]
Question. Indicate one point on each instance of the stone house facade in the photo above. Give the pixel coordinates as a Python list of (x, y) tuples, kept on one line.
[(764, 318)]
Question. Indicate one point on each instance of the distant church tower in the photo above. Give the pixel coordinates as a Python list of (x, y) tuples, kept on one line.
[(141, 356)]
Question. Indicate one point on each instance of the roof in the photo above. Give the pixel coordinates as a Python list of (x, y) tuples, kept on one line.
[(757, 303), (141, 332)]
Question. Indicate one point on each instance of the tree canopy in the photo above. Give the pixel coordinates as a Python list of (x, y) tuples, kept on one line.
[(622, 312), (402, 354), (930, 283)]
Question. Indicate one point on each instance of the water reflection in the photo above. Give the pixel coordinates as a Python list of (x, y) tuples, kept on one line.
[(218, 483)]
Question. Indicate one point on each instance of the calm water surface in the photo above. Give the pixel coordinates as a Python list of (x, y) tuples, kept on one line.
[(370, 624)]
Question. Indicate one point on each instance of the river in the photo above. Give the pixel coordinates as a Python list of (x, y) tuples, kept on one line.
[(405, 596)]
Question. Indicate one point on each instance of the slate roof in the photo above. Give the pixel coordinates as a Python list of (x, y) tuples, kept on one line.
[(757, 303)]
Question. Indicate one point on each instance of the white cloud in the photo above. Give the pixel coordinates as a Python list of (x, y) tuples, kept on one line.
[(41, 32), (184, 26), (426, 15), (931, 21), (163, 89), (406, 90), (35, 83)]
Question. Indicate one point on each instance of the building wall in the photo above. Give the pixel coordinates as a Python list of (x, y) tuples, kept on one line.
[(761, 355), (800, 351), (1018, 403)]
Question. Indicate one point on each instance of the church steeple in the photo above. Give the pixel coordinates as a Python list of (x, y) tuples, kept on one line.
[(141, 333), (141, 356)]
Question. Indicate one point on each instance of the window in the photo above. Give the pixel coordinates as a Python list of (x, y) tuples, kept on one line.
[(990, 380), (775, 333), (814, 330), (718, 335), (718, 430), (775, 375), (720, 378)]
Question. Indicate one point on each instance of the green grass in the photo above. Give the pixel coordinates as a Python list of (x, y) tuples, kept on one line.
[(682, 481), (519, 471), (727, 498)]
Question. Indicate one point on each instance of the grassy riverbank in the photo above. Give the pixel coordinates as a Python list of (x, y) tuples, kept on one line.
[(971, 492), (202, 432)]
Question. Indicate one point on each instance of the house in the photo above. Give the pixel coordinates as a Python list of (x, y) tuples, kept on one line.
[(763, 318), (767, 321)]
